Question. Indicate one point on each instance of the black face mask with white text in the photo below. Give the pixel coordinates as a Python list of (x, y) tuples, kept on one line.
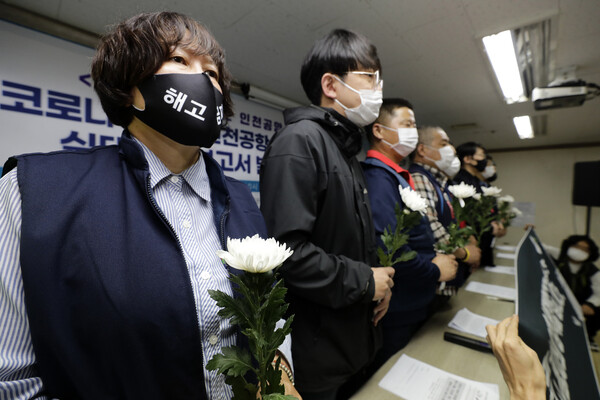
[(186, 108)]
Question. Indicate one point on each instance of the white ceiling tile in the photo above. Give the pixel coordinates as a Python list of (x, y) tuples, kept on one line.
[(492, 16), (430, 50), (579, 18)]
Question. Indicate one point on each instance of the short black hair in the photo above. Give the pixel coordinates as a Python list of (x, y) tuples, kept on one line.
[(574, 239), (338, 52), (387, 110), (136, 48), (468, 149)]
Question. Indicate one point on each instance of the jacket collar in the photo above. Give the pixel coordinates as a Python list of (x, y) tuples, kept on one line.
[(346, 135)]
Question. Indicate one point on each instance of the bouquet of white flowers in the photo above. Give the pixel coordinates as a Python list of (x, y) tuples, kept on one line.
[(459, 232), (473, 209)]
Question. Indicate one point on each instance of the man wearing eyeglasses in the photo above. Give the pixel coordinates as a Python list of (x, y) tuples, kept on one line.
[(314, 198)]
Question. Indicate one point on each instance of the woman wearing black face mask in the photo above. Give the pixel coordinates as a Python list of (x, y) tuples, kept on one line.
[(118, 243)]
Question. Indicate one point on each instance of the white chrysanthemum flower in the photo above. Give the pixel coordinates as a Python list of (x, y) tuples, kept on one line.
[(516, 211), (412, 199), (462, 191), (477, 196), (254, 254), (506, 199), (491, 191)]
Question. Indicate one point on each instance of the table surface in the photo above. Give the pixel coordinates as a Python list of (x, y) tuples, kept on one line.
[(428, 344)]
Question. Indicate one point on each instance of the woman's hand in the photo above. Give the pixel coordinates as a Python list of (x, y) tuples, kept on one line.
[(519, 364), (287, 383)]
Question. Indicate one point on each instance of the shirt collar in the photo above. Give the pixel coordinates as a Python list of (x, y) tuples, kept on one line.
[(195, 176), (399, 170)]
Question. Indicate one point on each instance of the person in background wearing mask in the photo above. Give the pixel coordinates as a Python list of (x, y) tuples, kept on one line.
[(490, 173), (108, 253), (314, 199), (393, 136), (473, 161), (434, 165), (576, 263)]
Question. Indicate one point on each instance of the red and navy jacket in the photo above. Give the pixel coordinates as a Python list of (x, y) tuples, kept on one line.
[(415, 281)]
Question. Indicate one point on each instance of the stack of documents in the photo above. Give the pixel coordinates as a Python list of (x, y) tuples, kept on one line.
[(412, 379), (501, 292), (468, 322), (501, 269), (504, 251)]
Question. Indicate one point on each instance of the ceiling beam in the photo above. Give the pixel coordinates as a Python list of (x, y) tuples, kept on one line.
[(47, 25)]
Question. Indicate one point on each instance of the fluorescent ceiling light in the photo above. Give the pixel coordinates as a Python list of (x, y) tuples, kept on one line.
[(501, 52), (524, 127)]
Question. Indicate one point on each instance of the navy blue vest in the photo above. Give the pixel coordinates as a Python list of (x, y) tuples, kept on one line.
[(108, 295)]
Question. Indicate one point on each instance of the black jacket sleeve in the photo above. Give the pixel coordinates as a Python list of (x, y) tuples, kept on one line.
[(293, 180)]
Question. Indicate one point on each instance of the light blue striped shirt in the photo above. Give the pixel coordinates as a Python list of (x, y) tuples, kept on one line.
[(185, 201)]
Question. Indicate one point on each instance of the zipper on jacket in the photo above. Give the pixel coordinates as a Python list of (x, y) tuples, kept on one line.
[(222, 227), (164, 218)]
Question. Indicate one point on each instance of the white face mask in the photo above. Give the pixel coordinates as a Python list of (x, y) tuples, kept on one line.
[(577, 255), (368, 109), (446, 157), (488, 172), (453, 169), (407, 140)]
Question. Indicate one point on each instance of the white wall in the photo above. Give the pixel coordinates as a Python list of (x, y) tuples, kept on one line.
[(545, 177)]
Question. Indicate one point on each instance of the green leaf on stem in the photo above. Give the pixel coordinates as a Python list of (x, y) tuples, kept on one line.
[(459, 237), (242, 390), (394, 240), (256, 311), (277, 396), (238, 311), (232, 361), (274, 375)]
